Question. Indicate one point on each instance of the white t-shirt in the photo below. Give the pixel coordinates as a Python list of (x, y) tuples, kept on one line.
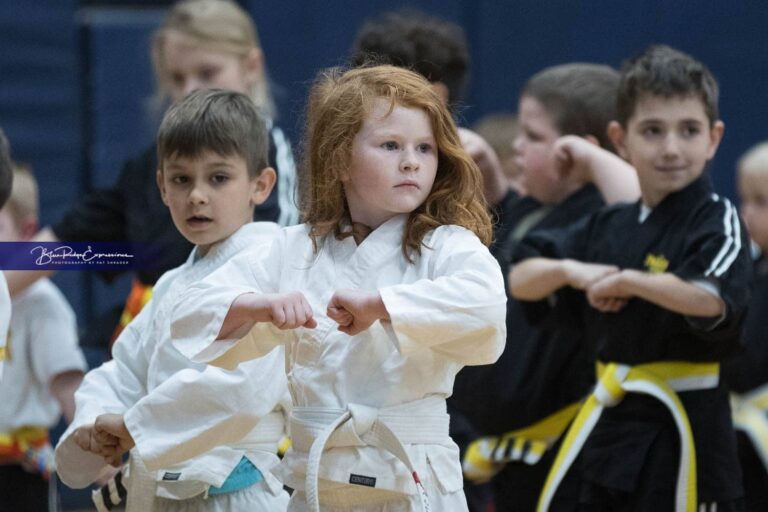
[(42, 343)]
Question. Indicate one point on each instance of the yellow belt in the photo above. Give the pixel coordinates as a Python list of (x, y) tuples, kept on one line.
[(662, 381), (750, 415), (487, 455)]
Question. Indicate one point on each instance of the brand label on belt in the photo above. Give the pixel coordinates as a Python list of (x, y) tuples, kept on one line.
[(367, 481), (171, 476)]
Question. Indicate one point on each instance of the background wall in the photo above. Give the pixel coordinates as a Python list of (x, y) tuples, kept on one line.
[(75, 76)]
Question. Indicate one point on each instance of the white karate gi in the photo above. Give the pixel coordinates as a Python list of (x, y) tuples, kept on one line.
[(146, 369), (447, 310), (5, 318)]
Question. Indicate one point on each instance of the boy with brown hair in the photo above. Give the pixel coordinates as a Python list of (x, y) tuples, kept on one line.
[(666, 279), (213, 171)]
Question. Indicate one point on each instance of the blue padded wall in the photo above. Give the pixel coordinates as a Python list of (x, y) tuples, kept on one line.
[(75, 81)]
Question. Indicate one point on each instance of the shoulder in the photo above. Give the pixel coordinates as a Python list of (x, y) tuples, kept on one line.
[(43, 298), (452, 238), (715, 207)]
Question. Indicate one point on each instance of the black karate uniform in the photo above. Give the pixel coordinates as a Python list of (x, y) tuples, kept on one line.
[(630, 459), (544, 366)]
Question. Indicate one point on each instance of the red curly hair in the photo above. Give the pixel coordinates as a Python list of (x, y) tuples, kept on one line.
[(339, 102)]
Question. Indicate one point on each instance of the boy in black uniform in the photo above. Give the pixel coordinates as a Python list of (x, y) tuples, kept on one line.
[(544, 371), (747, 373), (666, 281)]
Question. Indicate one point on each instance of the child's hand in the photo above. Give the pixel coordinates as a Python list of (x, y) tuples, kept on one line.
[(573, 156), (494, 181), (284, 310), (608, 294), (582, 275), (356, 310), (87, 439), (110, 428)]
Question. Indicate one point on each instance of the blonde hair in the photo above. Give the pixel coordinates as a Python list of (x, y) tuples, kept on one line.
[(338, 105), (754, 161), (23, 201), (216, 25)]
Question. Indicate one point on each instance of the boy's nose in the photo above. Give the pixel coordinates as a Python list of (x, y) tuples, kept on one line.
[(198, 196), (671, 146)]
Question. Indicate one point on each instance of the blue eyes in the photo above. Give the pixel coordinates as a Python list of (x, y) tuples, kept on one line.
[(394, 146)]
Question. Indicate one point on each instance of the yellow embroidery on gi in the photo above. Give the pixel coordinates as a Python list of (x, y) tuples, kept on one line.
[(656, 264)]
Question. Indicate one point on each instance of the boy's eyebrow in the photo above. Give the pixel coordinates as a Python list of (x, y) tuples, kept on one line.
[(651, 120)]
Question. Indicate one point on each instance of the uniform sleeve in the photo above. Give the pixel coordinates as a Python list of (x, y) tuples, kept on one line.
[(110, 388), (198, 316), (563, 307), (55, 349), (460, 309), (194, 411), (286, 177), (717, 251), (560, 243)]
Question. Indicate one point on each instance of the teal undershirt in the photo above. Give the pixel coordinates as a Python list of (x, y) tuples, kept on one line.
[(243, 476)]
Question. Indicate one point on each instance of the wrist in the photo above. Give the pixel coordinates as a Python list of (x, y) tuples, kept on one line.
[(628, 280), (378, 307), (567, 273)]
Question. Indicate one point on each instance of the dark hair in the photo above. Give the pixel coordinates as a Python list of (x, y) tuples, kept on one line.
[(433, 47), (225, 122), (6, 169), (580, 98), (666, 72)]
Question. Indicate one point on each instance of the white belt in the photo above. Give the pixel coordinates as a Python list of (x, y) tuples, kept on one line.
[(314, 429)]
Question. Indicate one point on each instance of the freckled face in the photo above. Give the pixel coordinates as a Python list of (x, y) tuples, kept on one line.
[(393, 164)]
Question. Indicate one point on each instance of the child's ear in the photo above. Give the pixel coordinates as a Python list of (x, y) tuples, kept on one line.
[(618, 136), (715, 136), (261, 185), (161, 186), (253, 64)]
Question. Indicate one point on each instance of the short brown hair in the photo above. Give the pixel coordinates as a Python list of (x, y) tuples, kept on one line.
[(225, 122), (580, 98), (666, 72), (338, 105)]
